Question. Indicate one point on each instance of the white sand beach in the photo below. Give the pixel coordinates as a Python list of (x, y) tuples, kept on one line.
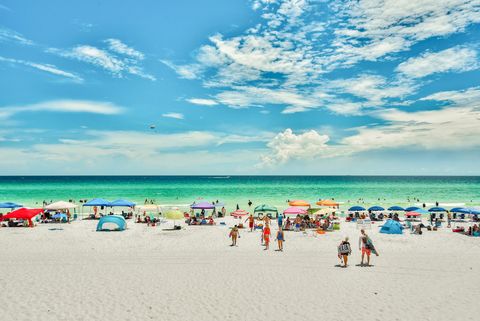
[(145, 273)]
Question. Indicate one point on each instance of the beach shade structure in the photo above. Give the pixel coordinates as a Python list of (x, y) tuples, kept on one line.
[(356, 209), (23, 214), (148, 208), (329, 203), (118, 220), (121, 203), (462, 210), (97, 202), (294, 211), (265, 208), (203, 206), (391, 227), (60, 216), (420, 211), (10, 205), (376, 208), (299, 203), (413, 214), (174, 214), (324, 211), (437, 209), (60, 205), (412, 209), (239, 213), (396, 208)]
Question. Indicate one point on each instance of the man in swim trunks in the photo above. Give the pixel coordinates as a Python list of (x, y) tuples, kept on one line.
[(234, 235), (251, 222), (266, 236), (366, 246)]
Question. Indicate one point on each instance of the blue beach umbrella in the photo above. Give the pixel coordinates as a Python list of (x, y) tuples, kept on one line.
[(396, 208), (10, 205), (412, 209), (421, 211), (356, 209), (460, 210), (376, 208), (437, 209)]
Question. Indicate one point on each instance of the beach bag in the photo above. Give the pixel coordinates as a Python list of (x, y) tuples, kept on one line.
[(344, 248)]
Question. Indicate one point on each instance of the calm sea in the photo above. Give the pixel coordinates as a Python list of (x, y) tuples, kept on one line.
[(233, 190)]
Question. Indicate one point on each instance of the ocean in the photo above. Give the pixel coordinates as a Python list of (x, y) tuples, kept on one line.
[(233, 190)]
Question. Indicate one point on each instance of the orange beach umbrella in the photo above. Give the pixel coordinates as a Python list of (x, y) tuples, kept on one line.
[(298, 203), (327, 203)]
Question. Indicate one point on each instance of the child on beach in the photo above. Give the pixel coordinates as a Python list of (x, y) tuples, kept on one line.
[(266, 236), (344, 250), (280, 239), (234, 234), (365, 244)]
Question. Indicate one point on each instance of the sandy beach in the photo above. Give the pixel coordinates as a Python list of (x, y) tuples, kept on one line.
[(71, 272)]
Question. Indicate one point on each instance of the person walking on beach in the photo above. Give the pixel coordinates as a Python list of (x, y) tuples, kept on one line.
[(280, 238), (234, 234), (251, 222), (266, 236), (344, 250), (280, 221), (365, 245)]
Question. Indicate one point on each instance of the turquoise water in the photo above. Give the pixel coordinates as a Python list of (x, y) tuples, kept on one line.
[(273, 190)]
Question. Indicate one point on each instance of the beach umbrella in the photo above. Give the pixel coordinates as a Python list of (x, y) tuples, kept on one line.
[(239, 213), (412, 214), (10, 205), (60, 205), (60, 216), (460, 210), (324, 211), (412, 209), (120, 202), (327, 203), (396, 208), (203, 206), (265, 208), (356, 209), (294, 211), (148, 208), (299, 203), (420, 211), (174, 215), (437, 209), (376, 208)]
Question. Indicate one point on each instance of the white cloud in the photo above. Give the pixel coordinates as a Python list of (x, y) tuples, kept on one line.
[(118, 59), (202, 101), (64, 106), (287, 146), (192, 71), (10, 35), (44, 67), (121, 48), (173, 115), (456, 59), (460, 97)]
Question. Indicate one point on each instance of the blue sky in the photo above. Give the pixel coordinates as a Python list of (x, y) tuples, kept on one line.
[(240, 87)]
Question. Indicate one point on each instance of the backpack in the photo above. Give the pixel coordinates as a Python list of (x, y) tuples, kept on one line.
[(344, 248)]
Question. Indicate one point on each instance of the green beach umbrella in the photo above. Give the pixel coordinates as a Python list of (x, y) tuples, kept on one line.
[(174, 215)]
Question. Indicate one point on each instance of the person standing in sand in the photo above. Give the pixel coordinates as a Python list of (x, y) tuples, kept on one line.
[(234, 234), (266, 236), (365, 245), (280, 239), (344, 250), (251, 222)]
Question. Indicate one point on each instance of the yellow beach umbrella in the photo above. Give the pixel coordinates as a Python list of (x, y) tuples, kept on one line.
[(174, 215), (327, 203)]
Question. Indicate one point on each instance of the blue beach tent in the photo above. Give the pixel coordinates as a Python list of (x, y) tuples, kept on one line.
[(356, 209), (396, 208), (10, 205), (97, 202), (391, 227), (115, 219), (122, 203)]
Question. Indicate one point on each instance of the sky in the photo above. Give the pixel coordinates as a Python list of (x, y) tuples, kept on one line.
[(239, 87)]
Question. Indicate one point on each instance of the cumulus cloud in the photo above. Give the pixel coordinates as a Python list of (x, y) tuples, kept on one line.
[(64, 106), (455, 59), (460, 97), (52, 69), (287, 146)]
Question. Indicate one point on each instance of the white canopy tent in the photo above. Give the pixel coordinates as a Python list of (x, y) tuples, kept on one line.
[(60, 205)]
